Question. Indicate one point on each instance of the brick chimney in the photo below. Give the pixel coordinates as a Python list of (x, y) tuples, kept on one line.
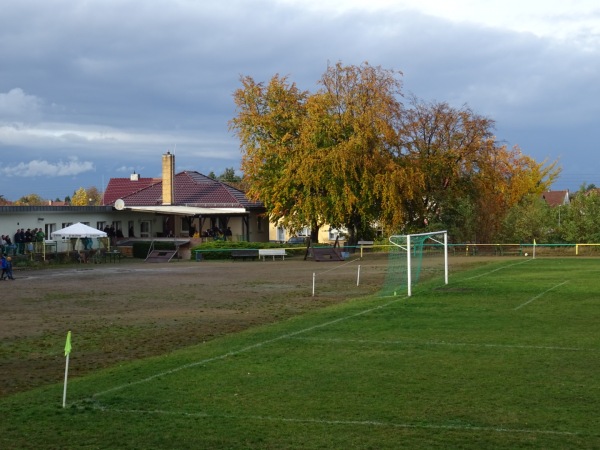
[(168, 179)]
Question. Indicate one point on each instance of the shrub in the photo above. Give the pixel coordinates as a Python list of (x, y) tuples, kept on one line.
[(222, 249)]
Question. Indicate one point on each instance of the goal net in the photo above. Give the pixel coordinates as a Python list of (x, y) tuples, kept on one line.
[(413, 256)]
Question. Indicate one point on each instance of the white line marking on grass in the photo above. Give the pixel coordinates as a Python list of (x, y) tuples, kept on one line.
[(452, 344), (243, 350), (540, 295), (371, 423), (496, 270)]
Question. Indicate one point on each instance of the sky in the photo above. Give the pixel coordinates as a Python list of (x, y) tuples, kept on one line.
[(91, 90)]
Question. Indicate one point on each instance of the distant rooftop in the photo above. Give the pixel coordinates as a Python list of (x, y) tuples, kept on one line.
[(556, 198)]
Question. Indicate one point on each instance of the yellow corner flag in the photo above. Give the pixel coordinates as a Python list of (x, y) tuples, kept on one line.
[(534, 242), (68, 344), (67, 352)]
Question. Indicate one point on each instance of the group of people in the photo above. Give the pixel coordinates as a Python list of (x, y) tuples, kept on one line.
[(113, 234), (25, 241), (216, 233)]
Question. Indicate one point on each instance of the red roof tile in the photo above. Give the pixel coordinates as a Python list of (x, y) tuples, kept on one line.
[(191, 189), (556, 198), (123, 187)]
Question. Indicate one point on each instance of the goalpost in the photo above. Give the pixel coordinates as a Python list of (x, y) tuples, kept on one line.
[(406, 258)]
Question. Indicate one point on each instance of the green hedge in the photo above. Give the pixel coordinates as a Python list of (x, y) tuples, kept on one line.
[(222, 249)]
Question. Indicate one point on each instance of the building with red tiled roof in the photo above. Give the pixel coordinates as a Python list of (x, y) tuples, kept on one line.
[(190, 188), (556, 198), (187, 203), (122, 187)]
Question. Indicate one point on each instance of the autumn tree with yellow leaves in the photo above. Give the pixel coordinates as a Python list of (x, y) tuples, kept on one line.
[(86, 197), (352, 155)]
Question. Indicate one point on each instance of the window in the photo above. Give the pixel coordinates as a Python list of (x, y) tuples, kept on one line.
[(335, 233), (49, 229), (145, 231), (280, 234)]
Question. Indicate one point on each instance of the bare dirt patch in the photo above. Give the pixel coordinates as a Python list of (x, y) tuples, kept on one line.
[(129, 310)]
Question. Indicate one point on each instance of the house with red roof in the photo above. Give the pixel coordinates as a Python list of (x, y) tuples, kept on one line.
[(556, 198), (184, 204)]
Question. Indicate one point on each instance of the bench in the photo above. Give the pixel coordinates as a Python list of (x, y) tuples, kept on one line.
[(264, 252), (364, 244), (243, 254)]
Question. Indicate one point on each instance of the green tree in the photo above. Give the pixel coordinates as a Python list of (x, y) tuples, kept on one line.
[(31, 200), (229, 176), (529, 219), (579, 220)]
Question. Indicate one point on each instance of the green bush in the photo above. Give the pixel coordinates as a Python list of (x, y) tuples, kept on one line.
[(222, 249)]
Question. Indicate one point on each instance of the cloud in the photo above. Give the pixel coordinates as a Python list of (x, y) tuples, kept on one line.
[(16, 105), (37, 168)]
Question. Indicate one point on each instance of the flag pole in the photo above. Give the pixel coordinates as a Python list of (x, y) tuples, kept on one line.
[(534, 245), (67, 353)]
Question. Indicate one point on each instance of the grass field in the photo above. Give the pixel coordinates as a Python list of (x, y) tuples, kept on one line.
[(506, 356)]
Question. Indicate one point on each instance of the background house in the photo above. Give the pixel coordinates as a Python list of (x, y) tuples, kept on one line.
[(556, 198), (185, 204), (52, 218), (327, 234), (180, 205)]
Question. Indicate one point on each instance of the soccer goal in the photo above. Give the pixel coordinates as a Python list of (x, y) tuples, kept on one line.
[(406, 256)]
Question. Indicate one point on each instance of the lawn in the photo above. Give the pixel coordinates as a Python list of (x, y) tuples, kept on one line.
[(506, 356)]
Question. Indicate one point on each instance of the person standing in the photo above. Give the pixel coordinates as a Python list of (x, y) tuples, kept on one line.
[(28, 241), (19, 236), (4, 265), (9, 271), (39, 240), (10, 247)]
